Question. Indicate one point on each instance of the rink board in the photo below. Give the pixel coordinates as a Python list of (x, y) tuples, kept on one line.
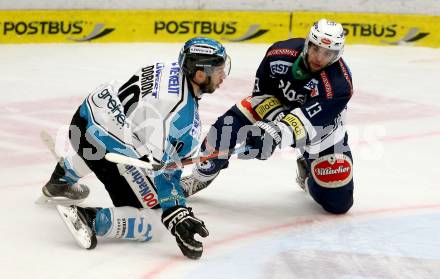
[(107, 26)]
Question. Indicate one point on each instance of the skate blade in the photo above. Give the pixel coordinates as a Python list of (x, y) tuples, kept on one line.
[(43, 200), (82, 235)]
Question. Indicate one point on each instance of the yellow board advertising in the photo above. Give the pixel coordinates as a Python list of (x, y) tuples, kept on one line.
[(52, 26), (141, 26), (376, 29)]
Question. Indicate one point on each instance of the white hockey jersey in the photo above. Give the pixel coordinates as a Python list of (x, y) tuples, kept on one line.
[(153, 114)]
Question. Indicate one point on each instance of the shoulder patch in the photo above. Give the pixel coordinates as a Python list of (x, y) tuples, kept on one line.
[(346, 74), (327, 86)]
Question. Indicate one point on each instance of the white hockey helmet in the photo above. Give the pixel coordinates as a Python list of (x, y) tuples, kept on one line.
[(326, 34)]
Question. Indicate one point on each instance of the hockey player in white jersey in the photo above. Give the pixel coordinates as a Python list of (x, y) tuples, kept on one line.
[(154, 117)]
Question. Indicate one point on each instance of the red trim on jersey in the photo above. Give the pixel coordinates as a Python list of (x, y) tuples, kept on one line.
[(327, 86), (248, 106), (346, 75), (283, 52)]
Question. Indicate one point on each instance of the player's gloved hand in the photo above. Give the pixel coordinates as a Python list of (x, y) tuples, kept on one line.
[(267, 141), (180, 221)]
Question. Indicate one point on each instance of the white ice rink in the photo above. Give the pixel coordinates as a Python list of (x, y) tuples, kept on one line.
[(261, 224)]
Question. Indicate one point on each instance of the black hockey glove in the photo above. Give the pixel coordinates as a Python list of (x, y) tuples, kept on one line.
[(267, 141), (180, 221)]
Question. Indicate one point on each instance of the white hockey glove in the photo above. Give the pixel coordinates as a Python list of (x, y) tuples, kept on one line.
[(267, 141), (180, 221)]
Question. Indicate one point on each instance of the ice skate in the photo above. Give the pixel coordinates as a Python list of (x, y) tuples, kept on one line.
[(59, 191), (192, 185), (302, 173), (80, 222)]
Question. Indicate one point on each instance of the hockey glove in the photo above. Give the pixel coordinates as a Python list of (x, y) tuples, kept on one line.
[(180, 221), (267, 141)]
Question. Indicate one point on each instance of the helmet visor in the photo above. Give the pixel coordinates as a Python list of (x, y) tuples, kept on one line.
[(223, 68)]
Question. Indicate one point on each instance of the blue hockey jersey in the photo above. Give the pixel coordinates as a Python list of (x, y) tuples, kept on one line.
[(317, 103)]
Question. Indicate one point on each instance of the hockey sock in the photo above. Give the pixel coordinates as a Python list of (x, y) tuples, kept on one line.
[(128, 223)]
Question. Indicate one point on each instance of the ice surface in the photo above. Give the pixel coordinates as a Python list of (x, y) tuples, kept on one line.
[(261, 224)]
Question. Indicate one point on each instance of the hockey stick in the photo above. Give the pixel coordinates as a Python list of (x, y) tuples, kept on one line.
[(47, 139), (49, 142), (122, 159)]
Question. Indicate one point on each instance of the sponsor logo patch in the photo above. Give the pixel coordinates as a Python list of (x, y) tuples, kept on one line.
[(279, 67), (312, 85), (138, 182), (326, 41), (327, 86), (283, 52), (333, 170), (267, 106), (346, 75), (104, 99), (296, 125), (201, 50), (174, 79)]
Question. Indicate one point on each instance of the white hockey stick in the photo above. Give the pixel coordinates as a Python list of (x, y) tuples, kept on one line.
[(122, 159), (47, 139)]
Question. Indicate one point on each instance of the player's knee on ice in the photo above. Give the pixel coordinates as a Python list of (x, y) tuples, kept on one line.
[(336, 201), (330, 182)]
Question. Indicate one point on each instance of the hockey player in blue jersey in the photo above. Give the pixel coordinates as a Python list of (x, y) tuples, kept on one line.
[(154, 117), (299, 100)]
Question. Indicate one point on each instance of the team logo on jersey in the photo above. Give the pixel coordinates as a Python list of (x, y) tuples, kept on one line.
[(333, 170), (312, 85), (279, 67)]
